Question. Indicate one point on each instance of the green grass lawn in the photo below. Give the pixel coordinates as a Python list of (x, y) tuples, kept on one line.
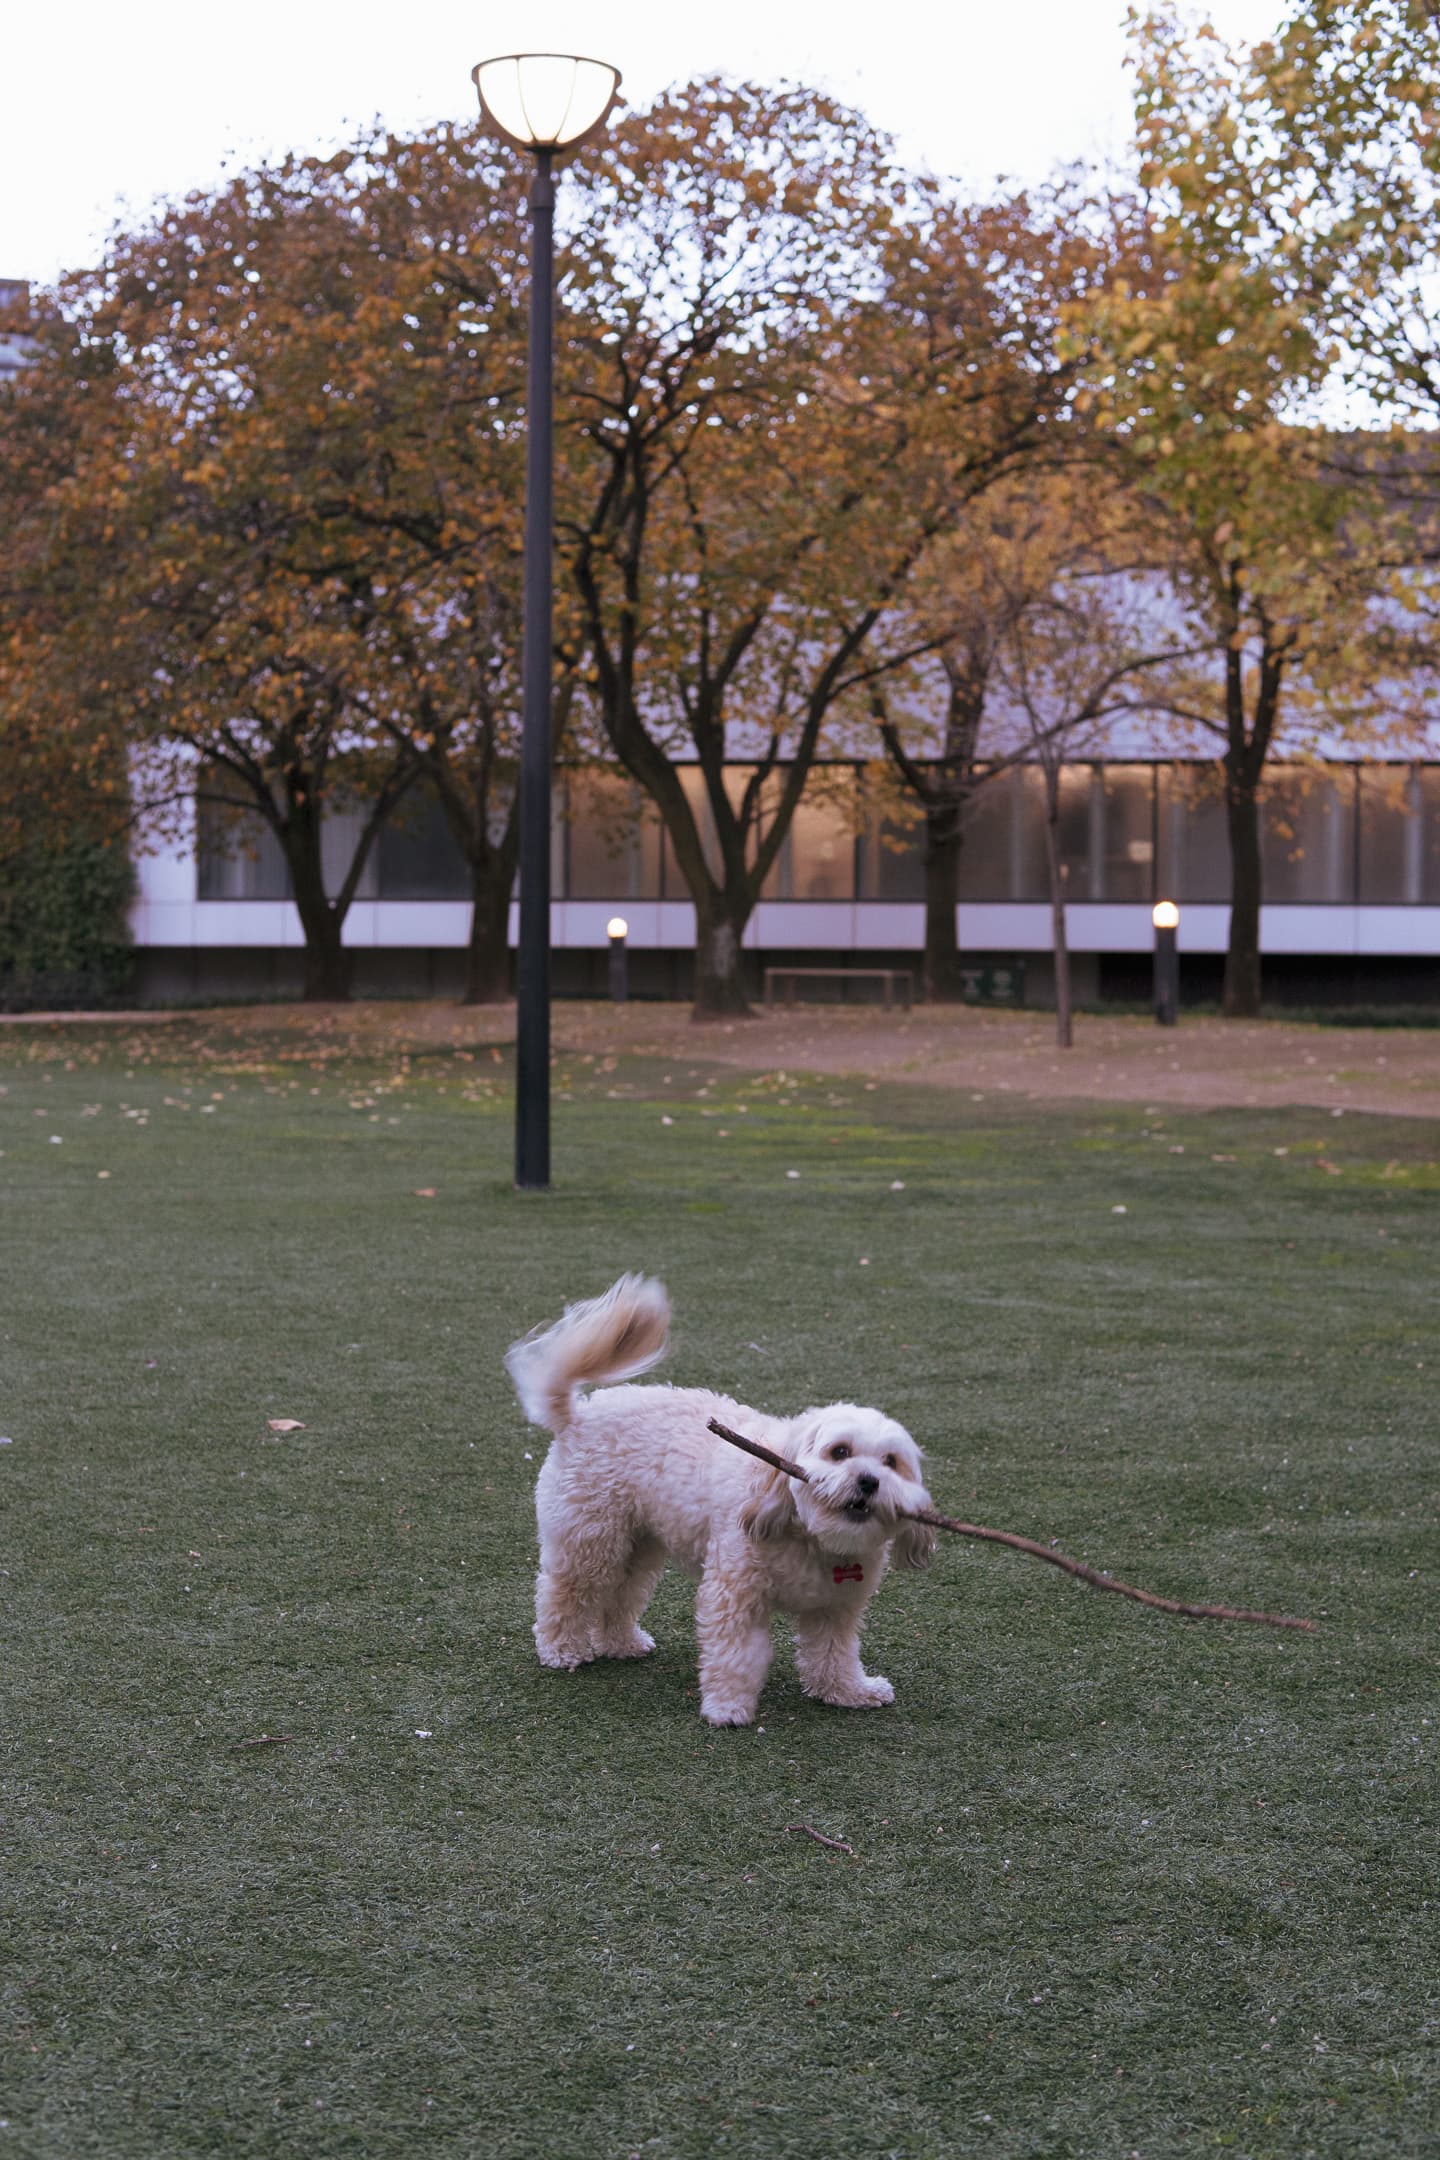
[(1121, 1885)]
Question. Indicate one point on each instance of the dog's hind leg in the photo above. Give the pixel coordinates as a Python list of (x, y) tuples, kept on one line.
[(562, 1625), (827, 1651), (618, 1633), (578, 1572)]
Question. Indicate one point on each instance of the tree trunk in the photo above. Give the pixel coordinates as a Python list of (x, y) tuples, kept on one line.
[(1240, 997), (327, 963), (719, 981), (944, 836), (1064, 1009), (487, 958)]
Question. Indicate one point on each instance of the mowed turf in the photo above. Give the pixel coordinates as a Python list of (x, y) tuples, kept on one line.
[(305, 1855)]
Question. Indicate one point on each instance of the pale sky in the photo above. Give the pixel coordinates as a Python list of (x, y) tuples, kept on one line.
[(104, 107)]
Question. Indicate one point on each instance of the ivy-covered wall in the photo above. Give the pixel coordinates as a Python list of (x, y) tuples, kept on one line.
[(64, 935)]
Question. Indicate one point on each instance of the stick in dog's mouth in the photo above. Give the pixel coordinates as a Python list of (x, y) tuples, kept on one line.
[(1090, 1575)]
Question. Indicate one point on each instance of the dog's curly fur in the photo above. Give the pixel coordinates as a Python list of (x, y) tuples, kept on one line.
[(635, 1477)]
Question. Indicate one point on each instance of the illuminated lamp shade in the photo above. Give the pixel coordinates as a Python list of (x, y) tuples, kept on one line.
[(1165, 915), (617, 927), (545, 101)]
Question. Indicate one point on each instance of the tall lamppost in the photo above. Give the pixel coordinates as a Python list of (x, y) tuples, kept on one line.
[(545, 103)]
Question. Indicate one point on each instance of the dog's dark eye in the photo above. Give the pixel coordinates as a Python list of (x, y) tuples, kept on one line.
[(839, 1453), (890, 1463)]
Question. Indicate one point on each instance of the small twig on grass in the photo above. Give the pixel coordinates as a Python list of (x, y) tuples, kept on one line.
[(267, 1739), (1093, 1576), (835, 1844)]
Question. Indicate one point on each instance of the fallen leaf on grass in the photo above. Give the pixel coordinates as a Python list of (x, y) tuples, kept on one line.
[(425, 1192), (267, 1739), (285, 1424)]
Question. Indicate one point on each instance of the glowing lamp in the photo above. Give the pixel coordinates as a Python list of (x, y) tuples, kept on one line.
[(546, 101)]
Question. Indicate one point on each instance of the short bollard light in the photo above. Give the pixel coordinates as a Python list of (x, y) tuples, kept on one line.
[(617, 929), (1166, 918)]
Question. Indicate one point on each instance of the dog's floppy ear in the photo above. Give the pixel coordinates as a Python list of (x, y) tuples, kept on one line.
[(914, 1545), (770, 1510)]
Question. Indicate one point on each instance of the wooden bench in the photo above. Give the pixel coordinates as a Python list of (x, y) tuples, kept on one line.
[(892, 981)]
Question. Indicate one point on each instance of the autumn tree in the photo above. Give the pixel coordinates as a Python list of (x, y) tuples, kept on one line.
[(1047, 620), (1015, 270), (291, 545), (66, 817), (1091, 636), (1346, 102), (1200, 367), (788, 366)]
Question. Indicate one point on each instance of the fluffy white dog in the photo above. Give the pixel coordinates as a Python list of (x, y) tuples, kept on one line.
[(634, 1477)]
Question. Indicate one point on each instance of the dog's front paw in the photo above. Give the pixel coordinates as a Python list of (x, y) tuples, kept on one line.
[(635, 1642), (871, 1692), (717, 1711), (562, 1655)]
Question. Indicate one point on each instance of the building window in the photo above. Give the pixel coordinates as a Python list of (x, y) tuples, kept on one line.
[(817, 856), (1080, 831), (692, 780), (1307, 837), (1127, 832), (612, 838), (237, 856), (892, 842), (1193, 854), (1399, 836), (417, 857), (992, 846), (340, 831), (1428, 812)]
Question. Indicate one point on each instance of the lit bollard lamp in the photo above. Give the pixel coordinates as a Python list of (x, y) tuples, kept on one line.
[(548, 104), (1166, 918), (617, 929)]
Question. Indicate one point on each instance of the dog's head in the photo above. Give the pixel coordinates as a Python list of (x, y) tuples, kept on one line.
[(863, 1473)]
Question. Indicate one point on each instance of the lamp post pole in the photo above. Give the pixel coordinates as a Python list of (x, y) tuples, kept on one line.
[(532, 972), (545, 103)]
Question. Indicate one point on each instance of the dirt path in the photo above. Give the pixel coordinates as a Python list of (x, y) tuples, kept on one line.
[(1204, 1063)]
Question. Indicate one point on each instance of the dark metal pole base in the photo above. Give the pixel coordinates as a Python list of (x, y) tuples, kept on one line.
[(1167, 979)]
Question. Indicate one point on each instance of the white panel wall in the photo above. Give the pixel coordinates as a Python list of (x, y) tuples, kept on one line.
[(164, 916)]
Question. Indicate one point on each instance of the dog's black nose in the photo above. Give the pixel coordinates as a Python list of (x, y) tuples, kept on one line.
[(865, 1485)]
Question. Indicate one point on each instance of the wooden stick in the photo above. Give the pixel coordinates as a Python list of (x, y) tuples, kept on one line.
[(834, 1843), (1093, 1576)]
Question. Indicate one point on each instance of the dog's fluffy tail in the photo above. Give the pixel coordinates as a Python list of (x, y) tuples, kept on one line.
[(613, 1337)]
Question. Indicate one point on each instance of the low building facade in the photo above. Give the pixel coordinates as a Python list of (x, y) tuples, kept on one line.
[(1351, 883)]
